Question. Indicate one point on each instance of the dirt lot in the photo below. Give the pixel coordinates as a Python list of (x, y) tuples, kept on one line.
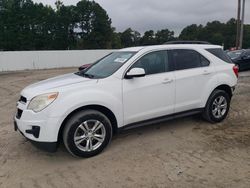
[(186, 152)]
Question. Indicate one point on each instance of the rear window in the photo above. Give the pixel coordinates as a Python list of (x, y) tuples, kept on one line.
[(188, 59), (218, 52)]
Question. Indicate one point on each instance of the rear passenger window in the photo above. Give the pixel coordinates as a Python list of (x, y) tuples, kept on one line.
[(204, 61), (218, 52), (188, 59)]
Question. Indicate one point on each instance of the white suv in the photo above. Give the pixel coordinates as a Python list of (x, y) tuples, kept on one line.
[(130, 87)]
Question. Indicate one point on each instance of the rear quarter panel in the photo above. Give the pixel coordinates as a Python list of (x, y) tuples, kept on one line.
[(224, 75)]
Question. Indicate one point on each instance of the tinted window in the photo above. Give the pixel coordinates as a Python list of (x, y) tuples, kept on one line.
[(153, 63), (188, 59), (218, 52), (234, 54), (108, 65), (204, 61)]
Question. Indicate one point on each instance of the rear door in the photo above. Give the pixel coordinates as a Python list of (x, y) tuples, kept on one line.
[(192, 71)]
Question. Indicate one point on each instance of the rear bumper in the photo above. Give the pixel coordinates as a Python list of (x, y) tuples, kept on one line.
[(46, 146)]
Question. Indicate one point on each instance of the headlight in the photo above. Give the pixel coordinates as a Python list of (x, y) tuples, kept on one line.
[(40, 102)]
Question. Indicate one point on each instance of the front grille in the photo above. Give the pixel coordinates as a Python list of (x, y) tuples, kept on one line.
[(19, 113), (22, 99)]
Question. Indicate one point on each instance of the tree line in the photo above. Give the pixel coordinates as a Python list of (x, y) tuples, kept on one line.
[(25, 25)]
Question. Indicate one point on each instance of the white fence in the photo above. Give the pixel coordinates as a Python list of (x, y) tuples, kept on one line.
[(28, 60)]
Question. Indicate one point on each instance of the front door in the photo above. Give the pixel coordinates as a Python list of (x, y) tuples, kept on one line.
[(153, 95)]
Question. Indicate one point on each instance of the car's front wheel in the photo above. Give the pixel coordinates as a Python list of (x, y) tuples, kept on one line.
[(87, 133), (217, 106)]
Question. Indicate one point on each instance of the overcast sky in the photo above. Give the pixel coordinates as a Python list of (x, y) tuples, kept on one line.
[(142, 15)]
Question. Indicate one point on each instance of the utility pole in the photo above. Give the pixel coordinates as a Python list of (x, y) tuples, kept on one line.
[(242, 24), (238, 25)]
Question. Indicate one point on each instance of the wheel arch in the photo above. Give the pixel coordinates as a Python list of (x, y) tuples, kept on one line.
[(225, 88), (106, 111), (207, 113)]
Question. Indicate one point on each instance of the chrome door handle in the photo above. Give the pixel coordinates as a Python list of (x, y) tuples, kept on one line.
[(167, 81)]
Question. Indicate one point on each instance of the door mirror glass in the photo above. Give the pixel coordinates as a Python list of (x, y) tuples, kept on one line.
[(135, 72)]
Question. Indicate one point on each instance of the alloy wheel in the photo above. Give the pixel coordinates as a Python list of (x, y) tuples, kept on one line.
[(219, 107), (89, 135)]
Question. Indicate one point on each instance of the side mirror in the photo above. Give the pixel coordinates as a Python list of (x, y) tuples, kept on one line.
[(135, 72)]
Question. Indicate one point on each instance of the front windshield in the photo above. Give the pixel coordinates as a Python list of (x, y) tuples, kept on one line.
[(234, 54), (108, 65)]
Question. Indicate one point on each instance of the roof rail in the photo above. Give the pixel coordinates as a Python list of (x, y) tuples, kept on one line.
[(187, 42)]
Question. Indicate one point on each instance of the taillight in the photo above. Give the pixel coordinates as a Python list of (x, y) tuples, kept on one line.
[(236, 70)]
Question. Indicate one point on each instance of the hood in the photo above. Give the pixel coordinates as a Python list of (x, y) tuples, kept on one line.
[(53, 84)]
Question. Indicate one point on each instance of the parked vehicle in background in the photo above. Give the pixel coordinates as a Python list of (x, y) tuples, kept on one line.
[(83, 67), (127, 88), (241, 58)]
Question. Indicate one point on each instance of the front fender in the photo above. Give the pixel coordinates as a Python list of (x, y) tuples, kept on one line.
[(69, 102)]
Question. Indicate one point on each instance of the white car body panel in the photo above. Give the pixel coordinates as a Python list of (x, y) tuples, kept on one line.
[(154, 96), (190, 85), (130, 100)]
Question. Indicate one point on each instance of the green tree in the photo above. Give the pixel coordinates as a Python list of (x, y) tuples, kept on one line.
[(93, 25), (116, 40), (246, 40), (214, 32), (130, 38), (148, 38), (163, 36), (191, 32), (63, 33), (25, 25)]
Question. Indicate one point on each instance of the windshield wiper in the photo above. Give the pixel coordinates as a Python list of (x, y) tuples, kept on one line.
[(88, 75), (84, 74)]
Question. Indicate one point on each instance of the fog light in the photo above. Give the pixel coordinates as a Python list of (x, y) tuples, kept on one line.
[(35, 131)]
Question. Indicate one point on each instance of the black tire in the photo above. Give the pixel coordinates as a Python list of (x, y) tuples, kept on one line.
[(208, 111), (72, 125)]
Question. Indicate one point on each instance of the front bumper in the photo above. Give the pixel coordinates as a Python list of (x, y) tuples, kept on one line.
[(36, 129), (46, 146), (39, 128)]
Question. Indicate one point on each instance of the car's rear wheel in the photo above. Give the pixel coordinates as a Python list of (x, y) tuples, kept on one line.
[(217, 106), (87, 133)]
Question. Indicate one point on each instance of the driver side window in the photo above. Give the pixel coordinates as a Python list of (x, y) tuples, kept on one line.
[(153, 63)]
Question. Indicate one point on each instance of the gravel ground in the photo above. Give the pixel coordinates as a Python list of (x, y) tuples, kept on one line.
[(186, 152)]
